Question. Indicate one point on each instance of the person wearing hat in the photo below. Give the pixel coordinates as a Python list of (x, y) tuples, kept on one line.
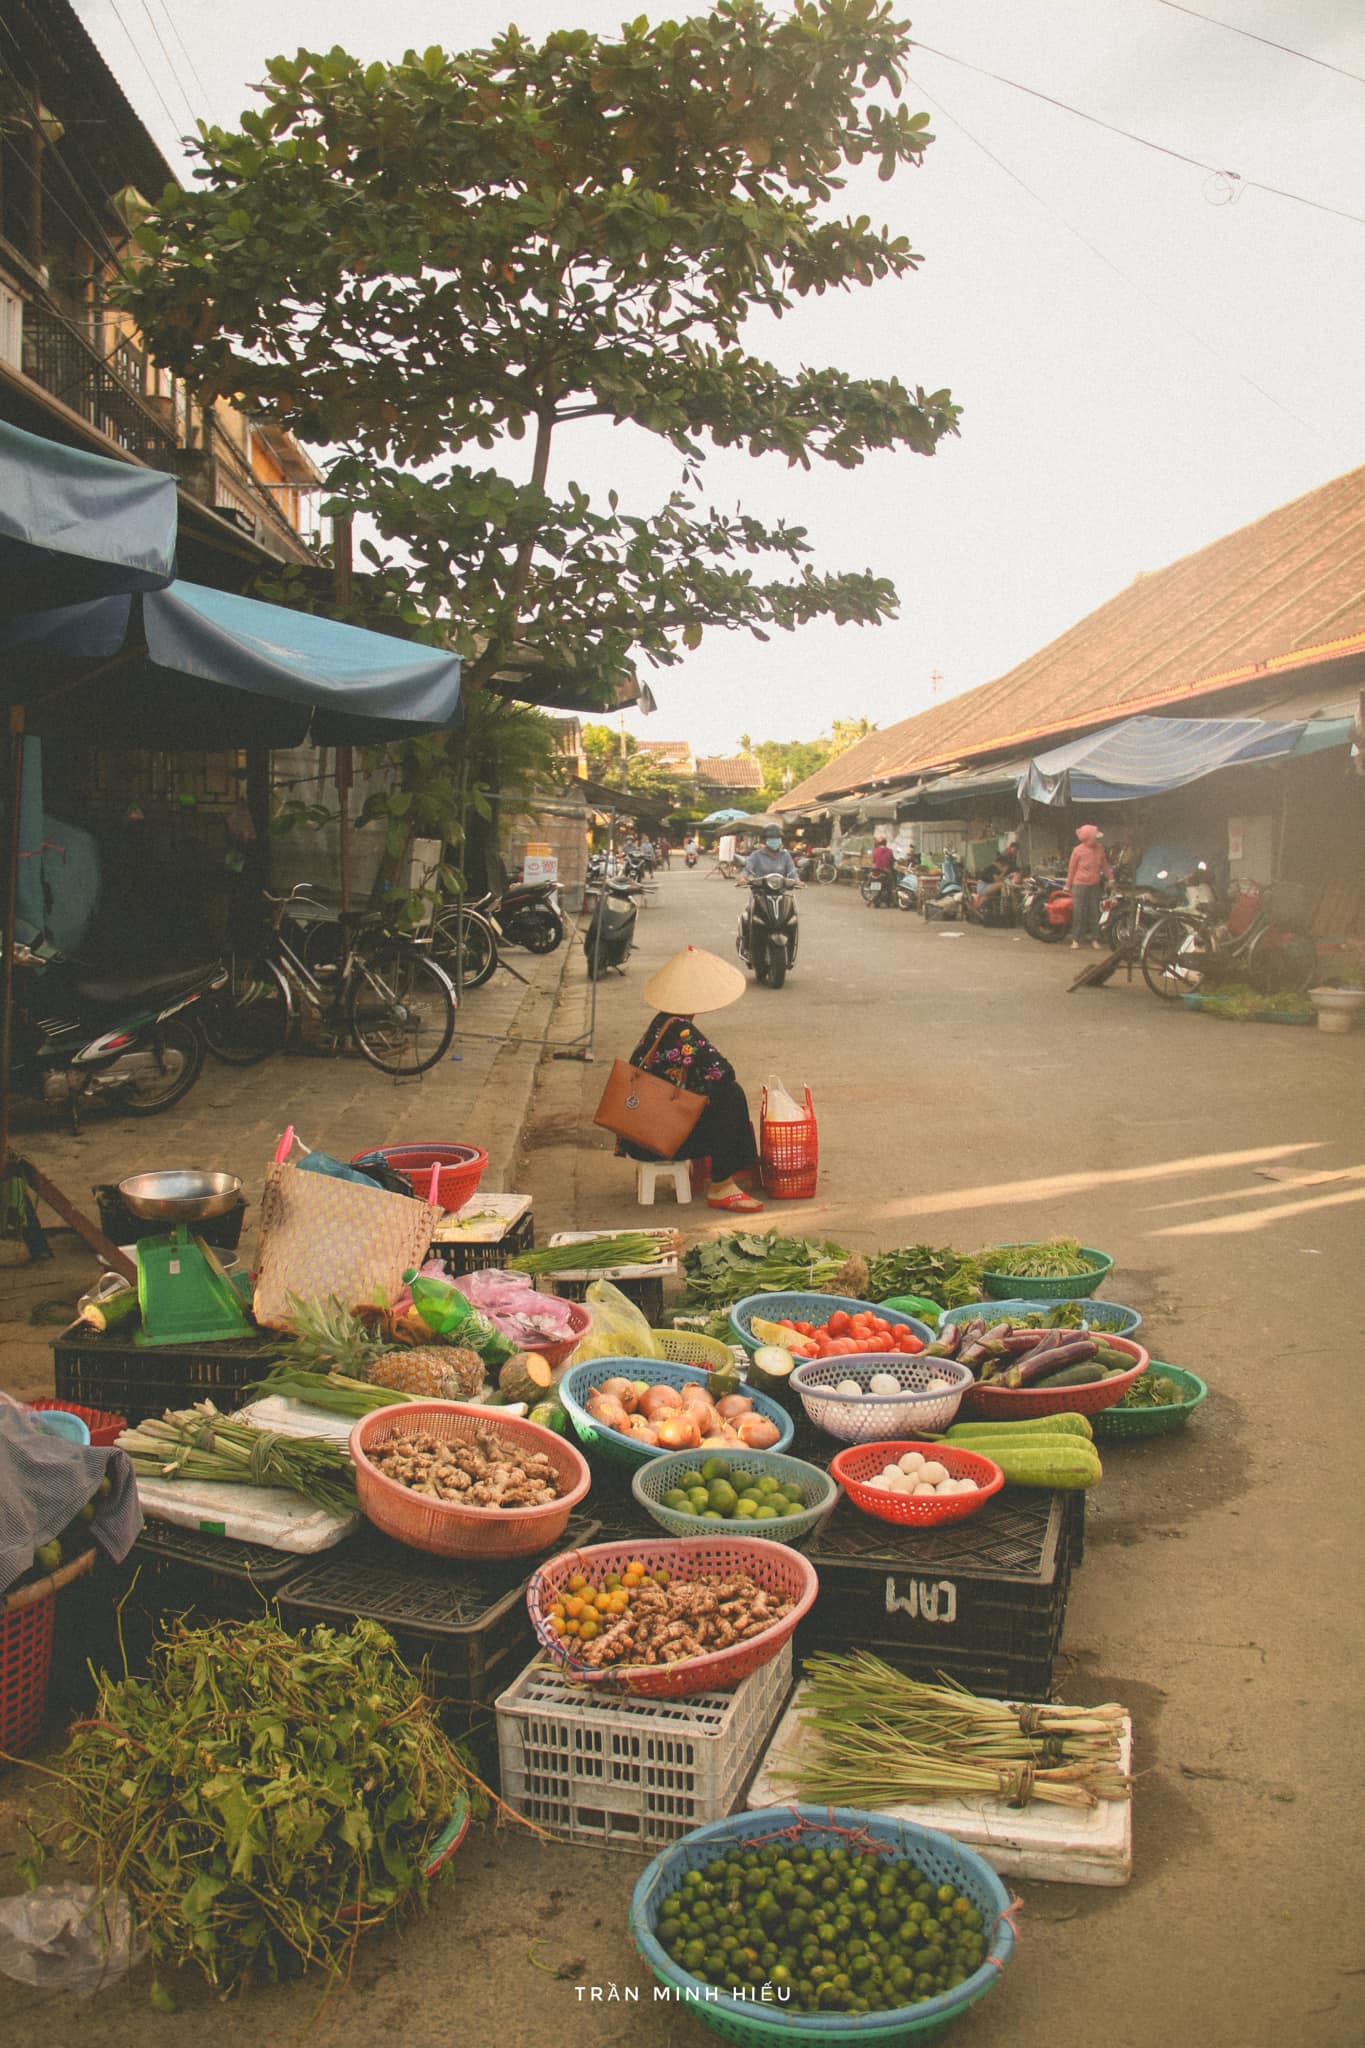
[(1088, 866), (694, 981)]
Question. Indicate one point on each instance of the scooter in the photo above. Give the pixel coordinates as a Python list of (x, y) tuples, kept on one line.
[(610, 931), (766, 939), (132, 1039), (690, 857), (1047, 909), (530, 914)]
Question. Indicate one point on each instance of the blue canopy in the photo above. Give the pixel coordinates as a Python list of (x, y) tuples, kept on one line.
[(1144, 756), (190, 666), (74, 525), (724, 817)]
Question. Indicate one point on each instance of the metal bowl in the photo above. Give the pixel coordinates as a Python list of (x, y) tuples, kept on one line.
[(182, 1194)]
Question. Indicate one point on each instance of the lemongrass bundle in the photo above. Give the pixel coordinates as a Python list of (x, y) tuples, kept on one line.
[(199, 1443)]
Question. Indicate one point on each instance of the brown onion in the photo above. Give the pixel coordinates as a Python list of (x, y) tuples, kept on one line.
[(734, 1404), (678, 1432), (657, 1401), (757, 1433), (624, 1392)]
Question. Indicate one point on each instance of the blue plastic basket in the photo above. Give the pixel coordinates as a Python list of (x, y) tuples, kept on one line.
[(942, 1860), (818, 1490), (579, 1381), (811, 1308), (60, 1422), (1008, 1311)]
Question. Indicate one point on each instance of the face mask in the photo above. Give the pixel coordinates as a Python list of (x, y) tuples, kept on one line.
[(772, 844)]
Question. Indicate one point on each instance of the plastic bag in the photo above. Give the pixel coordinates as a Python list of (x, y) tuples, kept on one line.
[(65, 1937), (782, 1107), (511, 1303), (618, 1328)]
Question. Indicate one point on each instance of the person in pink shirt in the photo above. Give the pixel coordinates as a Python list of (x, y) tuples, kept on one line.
[(1087, 869)]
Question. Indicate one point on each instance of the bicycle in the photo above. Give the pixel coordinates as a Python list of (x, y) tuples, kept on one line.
[(385, 993), (1186, 948)]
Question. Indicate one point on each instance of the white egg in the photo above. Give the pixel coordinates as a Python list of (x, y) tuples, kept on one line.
[(933, 1472), (893, 1472), (881, 1483), (923, 1486), (967, 1486), (884, 1383), (938, 1386), (910, 1461), (848, 1387)]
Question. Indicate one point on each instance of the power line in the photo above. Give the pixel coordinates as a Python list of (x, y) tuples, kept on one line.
[(137, 52), (1252, 37), (1109, 263), (1234, 179), (170, 61), (194, 68)]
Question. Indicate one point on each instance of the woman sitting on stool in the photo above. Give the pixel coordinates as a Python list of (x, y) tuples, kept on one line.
[(674, 1049)]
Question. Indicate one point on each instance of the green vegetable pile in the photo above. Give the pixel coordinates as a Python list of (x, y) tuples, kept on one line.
[(831, 1930), (1060, 1258), (1070, 1315), (1151, 1390), (261, 1798), (1243, 1004), (726, 1268)]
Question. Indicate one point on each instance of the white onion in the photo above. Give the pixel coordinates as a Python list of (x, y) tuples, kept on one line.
[(884, 1383)]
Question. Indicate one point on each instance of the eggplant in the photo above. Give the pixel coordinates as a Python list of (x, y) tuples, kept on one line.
[(1020, 1341), (975, 1329), (1054, 1358), (946, 1344), (997, 1333)]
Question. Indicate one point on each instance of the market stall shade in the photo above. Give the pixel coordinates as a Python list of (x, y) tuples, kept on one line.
[(724, 817), (1144, 756), (75, 526), (192, 667)]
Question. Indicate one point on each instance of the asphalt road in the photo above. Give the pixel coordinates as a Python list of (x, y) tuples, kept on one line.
[(964, 1098)]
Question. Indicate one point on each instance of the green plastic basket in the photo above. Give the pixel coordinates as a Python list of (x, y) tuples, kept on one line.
[(1066, 1287), (818, 1490), (1125, 1425)]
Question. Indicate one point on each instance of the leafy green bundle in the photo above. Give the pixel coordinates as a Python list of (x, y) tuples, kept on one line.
[(261, 1798)]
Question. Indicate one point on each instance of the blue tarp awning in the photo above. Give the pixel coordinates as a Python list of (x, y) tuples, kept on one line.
[(75, 525), (1144, 756), (190, 666)]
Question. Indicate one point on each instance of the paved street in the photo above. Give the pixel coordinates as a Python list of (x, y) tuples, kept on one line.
[(964, 1097)]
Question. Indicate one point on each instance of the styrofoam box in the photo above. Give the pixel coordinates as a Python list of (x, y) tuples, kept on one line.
[(1064, 1844), (629, 1773), (249, 1514)]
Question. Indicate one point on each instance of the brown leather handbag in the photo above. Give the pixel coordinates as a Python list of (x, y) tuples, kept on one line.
[(646, 1110)]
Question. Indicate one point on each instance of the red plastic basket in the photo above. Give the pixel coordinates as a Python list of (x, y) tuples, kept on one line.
[(105, 1428), (462, 1168), (444, 1528), (861, 1462), (27, 1627), (790, 1153), (773, 1566), (1008, 1404), (555, 1355)]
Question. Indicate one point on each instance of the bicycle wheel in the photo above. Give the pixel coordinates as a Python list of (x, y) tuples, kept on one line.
[(248, 1019), (1171, 956), (1280, 963), (175, 1056), (478, 954), (400, 1007)]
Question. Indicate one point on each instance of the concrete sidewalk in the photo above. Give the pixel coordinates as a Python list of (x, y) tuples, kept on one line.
[(232, 1118)]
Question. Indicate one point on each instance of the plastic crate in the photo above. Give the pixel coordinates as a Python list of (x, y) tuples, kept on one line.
[(983, 1600), (215, 1578), (633, 1774), (94, 1369), (645, 1291), (476, 1258), (464, 1624)]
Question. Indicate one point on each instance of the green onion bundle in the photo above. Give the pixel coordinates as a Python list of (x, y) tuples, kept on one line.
[(330, 1390), (883, 1739), (199, 1443), (626, 1248), (1060, 1258)]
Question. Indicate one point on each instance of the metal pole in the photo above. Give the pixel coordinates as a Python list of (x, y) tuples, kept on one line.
[(16, 745)]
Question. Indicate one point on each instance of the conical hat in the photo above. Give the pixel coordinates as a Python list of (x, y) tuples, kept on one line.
[(694, 980)]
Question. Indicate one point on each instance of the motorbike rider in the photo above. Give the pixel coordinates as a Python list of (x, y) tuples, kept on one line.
[(884, 868), (771, 858)]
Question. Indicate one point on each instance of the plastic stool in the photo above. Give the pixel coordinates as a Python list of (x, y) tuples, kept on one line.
[(648, 1173)]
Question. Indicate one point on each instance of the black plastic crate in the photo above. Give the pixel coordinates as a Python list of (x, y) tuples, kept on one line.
[(645, 1291), (216, 1578), (102, 1369), (1022, 1672), (465, 1624), (475, 1258), (989, 1590)]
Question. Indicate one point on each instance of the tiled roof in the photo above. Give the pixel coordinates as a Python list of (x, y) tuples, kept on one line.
[(740, 771), (1278, 594)]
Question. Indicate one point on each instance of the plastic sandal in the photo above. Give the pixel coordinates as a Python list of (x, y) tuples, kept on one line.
[(743, 1204)]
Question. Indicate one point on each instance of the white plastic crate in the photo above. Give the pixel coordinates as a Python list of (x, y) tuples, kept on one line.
[(632, 1774)]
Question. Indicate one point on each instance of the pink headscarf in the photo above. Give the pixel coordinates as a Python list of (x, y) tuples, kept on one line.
[(1087, 833)]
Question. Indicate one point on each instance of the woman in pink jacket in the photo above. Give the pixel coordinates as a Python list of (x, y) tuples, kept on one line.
[(1087, 868)]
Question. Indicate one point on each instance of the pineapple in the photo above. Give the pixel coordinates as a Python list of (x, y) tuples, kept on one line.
[(386, 1351)]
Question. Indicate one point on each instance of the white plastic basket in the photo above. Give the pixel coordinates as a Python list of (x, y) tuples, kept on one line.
[(918, 1410), (632, 1774)]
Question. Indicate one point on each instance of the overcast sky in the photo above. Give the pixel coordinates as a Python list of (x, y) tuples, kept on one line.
[(1145, 361)]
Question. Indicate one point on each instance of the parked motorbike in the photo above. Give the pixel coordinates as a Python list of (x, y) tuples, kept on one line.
[(766, 939), (690, 857), (530, 914), (1046, 908), (610, 931), (131, 1039), (890, 889)]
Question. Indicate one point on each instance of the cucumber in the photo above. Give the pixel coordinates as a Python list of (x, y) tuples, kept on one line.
[(550, 1415), (1084, 1375), (1063, 1463), (1067, 1424)]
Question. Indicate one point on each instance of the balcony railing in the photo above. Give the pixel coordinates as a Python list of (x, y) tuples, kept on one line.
[(65, 362)]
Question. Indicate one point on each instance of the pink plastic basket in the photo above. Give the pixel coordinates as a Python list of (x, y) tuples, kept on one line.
[(862, 1462), (1008, 1404), (444, 1528), (773, 1566), (462, 1168)]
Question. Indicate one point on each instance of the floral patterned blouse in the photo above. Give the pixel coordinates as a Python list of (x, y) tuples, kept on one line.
[(684, 1055)]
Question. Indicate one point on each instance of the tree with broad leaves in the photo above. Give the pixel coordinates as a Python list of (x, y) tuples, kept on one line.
[(412, 262)]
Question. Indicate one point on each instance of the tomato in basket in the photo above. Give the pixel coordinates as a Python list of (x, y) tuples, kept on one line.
[(846, 1336)]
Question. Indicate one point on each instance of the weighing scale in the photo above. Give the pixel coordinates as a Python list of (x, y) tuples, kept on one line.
[(183, 1292)]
